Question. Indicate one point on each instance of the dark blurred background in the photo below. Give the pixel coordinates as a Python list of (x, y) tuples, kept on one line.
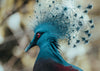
[(15, 34)]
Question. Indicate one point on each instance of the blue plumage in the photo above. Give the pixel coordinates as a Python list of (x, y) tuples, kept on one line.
[(55, 20), (48, 45)]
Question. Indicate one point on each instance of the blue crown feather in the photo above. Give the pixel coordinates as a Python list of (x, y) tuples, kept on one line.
[(69, 20)]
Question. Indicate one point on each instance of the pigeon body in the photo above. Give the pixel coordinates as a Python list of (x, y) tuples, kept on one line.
[(58, 19), (49, 58), (50, 65)]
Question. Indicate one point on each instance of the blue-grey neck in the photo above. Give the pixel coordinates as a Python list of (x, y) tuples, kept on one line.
[(50, 51)]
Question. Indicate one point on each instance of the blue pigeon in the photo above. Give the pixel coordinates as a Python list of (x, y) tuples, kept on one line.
[(58, 20)]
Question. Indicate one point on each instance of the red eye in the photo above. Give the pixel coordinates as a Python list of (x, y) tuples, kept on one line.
[(38, 35)]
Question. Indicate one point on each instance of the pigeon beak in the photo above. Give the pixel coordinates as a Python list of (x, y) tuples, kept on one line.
[(32, 44)]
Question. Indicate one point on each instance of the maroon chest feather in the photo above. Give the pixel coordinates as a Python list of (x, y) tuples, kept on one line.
[(50, 65)]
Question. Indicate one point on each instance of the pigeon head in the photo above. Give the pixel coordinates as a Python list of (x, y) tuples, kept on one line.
[(44, 33), (59, 21)]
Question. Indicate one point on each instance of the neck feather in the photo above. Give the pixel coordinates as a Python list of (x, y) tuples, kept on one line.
[(50, 51)]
